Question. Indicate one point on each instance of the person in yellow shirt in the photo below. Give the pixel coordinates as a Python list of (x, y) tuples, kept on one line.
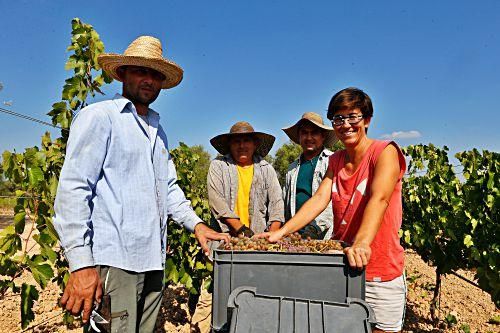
[(244, 194), (245, 176)]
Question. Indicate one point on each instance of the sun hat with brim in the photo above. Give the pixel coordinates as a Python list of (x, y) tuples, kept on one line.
[(315, 119), (221, 142), (145, 51)]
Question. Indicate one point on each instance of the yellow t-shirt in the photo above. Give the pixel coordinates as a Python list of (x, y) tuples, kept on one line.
[(245, 176)]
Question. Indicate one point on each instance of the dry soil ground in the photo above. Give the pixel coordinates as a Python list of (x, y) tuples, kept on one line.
[(471, 307)]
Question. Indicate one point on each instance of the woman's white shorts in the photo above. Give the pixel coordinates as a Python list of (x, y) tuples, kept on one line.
[(388, 301)]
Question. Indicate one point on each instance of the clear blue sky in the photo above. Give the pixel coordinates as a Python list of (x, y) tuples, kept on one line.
[(432, 68)]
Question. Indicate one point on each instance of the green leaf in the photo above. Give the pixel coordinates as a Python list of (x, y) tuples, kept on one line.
[(474, 224), (8, 267), (491, 180), (465, 328), (107, 79), (210, 267), (452, 234), (194, 202), (19, 222), (71, 63), (10, 242), (35, 176), (468, 241), (186, 280), (207, 283), (29, 294), (50, 228), (200, 265), (59, 106), (46, 140), (451, 319), (68, 319), (41, 272), (171, 273), (48, 253), (7, 160), (490, 199), (184, 238), (53, 186), (46, 242)]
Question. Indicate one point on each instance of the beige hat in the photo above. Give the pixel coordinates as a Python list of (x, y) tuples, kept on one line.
[(315, 119), (145, 51), (221, 142)]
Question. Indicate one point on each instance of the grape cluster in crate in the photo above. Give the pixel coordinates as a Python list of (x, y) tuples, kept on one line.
[(293, 243)]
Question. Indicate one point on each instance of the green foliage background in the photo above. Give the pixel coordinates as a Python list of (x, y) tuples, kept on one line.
[(288, 153), (186, 263), (285, 155), (453, 223)]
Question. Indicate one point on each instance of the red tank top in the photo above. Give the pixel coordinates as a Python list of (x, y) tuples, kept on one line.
[(350, 194)]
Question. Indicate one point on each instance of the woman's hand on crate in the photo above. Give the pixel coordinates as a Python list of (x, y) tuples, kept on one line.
[(358, 254), (272, 236)]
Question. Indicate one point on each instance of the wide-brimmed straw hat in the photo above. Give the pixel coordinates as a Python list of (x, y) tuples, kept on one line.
[(315, 119), (221, 142), (145, 51)]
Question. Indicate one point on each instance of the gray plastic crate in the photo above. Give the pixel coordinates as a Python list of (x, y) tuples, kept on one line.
[(315, 276), (252, 312)]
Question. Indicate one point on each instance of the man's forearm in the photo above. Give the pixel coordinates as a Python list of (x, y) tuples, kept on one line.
[(275, 225), (233, 224)]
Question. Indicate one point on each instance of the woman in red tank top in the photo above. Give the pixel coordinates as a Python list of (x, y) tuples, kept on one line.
[(364, 183)]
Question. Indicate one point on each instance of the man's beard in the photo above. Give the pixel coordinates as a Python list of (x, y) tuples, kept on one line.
[(137, 97)]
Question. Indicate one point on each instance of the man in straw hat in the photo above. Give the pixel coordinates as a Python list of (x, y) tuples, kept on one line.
[(244, 193), (306, 173), (116, 190)]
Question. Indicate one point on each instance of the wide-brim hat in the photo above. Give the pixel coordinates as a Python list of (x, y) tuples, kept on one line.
[(145, 51), (221, 141), (316, 120)]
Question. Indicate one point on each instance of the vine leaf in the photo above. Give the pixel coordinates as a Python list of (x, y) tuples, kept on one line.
[(29, 295), (10, 241), (42, 272)]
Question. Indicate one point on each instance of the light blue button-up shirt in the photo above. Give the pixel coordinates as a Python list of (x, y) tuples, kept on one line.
[(116, 189)]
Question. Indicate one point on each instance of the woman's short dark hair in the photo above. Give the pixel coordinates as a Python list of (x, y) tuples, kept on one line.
[(350, 99)]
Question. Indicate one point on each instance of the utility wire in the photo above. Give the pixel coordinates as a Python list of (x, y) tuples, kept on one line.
[(12, 113)]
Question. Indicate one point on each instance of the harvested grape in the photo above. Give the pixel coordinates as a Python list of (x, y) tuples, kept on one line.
[(292, 243)]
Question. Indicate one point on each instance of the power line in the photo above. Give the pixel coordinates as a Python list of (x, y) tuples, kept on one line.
[(12, 113), (419, 172)]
